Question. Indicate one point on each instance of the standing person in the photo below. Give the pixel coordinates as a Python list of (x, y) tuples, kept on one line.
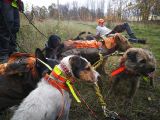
[(9, 26), (102, 30)]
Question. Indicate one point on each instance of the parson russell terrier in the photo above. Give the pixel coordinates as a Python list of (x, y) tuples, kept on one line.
[(51, 99)]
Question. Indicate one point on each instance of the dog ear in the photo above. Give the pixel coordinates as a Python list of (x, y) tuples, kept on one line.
[(77, 64), (40, 66), (75, 61), (39, 55)]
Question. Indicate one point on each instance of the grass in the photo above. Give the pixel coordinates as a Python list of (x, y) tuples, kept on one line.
[(142, 109)]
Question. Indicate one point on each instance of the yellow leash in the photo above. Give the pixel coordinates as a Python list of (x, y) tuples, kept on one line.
[(101, 99), (107, 113), (99, 62), (68, 83), (45, 64), (72, 91)]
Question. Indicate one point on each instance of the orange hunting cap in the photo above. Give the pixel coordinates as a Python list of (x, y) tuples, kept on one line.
[(100, 20)]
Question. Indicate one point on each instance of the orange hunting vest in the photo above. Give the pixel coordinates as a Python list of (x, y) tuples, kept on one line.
[(109, 43)]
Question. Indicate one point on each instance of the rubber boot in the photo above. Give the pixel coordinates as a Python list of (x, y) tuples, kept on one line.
[(133, 40), (141, 41)]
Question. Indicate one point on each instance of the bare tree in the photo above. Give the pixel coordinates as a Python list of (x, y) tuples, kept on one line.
[(43, 13), (93, 9), (53, 12)]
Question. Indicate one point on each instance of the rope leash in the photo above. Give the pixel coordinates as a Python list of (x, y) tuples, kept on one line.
[(85, 103), (107, 113), (101, 59), (35, 26), (45, 64), (72, 91), (99, 62)]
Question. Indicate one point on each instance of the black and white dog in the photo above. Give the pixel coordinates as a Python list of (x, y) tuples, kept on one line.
[(51, 99)]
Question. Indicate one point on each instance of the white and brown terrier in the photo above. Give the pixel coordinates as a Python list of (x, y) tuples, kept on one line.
[(51, 99)]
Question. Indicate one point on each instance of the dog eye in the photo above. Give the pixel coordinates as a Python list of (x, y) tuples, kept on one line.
[(142, 61)]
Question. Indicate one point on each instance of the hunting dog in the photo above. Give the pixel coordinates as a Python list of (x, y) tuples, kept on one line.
[(20, 75), (51, 99), (90, 49), (136, 62), (85, 36), (53, 47), (68, 47)]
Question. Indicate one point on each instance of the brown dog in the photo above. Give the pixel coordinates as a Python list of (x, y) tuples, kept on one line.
[(136, 62)]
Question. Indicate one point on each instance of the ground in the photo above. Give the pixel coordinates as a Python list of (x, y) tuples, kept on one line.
[(146, 105)]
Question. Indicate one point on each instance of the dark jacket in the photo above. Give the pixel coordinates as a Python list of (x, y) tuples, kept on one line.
[(19, 2)]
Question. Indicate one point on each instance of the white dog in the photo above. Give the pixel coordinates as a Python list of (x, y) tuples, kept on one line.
[(49, 102)]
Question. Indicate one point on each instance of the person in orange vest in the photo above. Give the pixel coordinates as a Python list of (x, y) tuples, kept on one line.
[(9, 26), (103, 31)]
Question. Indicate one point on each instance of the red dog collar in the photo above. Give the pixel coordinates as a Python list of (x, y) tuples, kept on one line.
[(118, 71), (56, 84)]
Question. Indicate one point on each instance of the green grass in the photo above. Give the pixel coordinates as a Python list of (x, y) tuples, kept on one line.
[(142, 108)]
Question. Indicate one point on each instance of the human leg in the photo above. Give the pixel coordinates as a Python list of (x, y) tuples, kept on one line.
[(15, 29), (126, 27), (123, 27), (5, 12)]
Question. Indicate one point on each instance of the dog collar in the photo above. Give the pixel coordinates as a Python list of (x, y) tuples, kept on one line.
[(65, 70), (118, 71), (122, 68), (62, 81), (56, 84)]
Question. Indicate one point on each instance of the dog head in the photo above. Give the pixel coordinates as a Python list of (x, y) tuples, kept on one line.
[(53, 41), (85, 36), (121, 42), (80, 68), (42, 69), (140, 61)]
